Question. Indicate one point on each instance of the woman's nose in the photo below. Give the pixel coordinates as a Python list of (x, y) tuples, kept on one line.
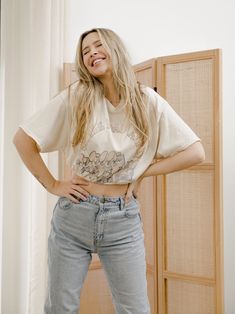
[(94, 51)]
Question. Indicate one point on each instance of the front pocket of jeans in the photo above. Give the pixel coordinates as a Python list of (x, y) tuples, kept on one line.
[(62, 211), (132, 213), (65, 203), (132, 208)]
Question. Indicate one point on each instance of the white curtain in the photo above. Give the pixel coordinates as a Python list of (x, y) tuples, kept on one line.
[(31, 69)]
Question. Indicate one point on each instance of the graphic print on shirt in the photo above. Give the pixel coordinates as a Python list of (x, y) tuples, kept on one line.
[(109, 153), (106, 167)]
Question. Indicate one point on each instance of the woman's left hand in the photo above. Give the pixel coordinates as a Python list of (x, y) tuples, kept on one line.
[(133, 190)]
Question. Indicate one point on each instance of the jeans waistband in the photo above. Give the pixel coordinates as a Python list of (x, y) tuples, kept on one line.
[(94, 199)]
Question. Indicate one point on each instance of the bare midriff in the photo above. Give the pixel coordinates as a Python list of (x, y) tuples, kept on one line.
[(110, 190)]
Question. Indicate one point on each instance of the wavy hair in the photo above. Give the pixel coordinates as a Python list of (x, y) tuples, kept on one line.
[(89, 89)]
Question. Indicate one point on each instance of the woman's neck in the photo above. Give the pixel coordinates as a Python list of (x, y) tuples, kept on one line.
[(110, 92)]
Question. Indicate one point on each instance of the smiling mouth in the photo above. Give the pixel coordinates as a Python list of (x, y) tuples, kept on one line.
[(97, 61)]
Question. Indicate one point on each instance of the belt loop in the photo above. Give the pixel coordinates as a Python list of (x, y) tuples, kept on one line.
[(121, 204), (102, 199)]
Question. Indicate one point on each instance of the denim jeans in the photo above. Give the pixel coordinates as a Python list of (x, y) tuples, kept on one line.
[(113, 230)]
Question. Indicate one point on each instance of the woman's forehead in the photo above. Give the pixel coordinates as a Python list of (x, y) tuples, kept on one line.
[(90, 39)]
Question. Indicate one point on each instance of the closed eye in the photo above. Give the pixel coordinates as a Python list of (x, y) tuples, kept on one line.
[(86, 52)]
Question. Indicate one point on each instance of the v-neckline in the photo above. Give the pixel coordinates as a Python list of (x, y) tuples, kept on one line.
[(111, 107)]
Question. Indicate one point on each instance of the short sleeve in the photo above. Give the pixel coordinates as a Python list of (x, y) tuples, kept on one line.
[(49, 127), (174, 135)]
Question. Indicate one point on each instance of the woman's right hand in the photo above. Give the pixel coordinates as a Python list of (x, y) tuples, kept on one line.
[(28, 150), (72, 189)]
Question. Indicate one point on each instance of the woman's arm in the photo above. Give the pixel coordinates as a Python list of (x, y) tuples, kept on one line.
[(192, 155), (29, 153)]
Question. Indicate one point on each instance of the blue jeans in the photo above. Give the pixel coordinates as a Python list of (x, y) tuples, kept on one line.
[(113, 230)]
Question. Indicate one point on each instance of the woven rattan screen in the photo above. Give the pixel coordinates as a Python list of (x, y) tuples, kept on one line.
[(189, 223), (189, 89), (185, 298), (145, 73), (190, 214)]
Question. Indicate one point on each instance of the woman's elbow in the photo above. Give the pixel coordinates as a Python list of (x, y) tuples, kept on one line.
[(17, 138), (199, 153), (21, 140)]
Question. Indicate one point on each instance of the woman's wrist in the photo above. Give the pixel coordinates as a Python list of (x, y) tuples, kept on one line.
[(149, 171), (52, 185), (47, 184)]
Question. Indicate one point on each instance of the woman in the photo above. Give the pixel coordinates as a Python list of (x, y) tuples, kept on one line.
[(112, 131)]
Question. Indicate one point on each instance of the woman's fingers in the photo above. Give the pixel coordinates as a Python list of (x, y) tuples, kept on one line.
[(129, 192), (132, 190), (70, 190), (73, 198), (135, 191), (78, 195), (80, 190)]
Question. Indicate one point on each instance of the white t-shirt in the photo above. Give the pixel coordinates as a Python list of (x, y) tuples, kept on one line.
[(109, 154)]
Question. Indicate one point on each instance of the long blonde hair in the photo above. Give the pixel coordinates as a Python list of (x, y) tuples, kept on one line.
[(89, 89)]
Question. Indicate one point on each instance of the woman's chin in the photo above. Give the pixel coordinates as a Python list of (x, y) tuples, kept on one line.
[(101, 72)]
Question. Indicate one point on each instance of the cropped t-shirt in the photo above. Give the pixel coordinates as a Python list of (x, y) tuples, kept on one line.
[(109, 154)]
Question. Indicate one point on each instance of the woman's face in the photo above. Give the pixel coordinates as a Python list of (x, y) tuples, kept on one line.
[(96, 59)]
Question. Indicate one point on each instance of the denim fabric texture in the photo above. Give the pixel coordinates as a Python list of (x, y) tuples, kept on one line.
[(113, 230)]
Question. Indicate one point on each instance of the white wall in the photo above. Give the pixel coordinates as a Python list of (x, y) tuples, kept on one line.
[(31, 61), (152, 28)]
